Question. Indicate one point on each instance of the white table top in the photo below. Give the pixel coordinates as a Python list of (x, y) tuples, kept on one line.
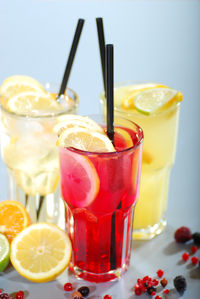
[(154, 41)]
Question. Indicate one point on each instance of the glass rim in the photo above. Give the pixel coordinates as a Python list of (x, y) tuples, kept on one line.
[(48, 115), (106, 154), (131, 112)]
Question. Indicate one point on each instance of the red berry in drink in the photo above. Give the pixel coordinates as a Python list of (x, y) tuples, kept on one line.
[(183, 234), (160, 273), (185, 256), (194, 249), (68, 287), (194, 260), (20, 295)]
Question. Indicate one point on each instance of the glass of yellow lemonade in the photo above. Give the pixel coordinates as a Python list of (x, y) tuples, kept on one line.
[(155, 108), (29, 111)]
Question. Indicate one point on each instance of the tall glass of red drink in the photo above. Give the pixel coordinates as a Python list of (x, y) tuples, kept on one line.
[(100, 191)]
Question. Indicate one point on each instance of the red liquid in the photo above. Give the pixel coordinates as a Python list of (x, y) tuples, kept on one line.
[(101, 230)]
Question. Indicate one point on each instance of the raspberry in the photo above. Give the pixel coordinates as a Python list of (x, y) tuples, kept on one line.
[(155, 282), (158, 297), (84, 291), (107, 297), (68, 287), (183, 234), (196, 238), (185, 256), (20, 295), (180, 284), (164, 282), (153, 293), (194, 249), (166, 291), (194, 260), (160, 273), (137, 289)]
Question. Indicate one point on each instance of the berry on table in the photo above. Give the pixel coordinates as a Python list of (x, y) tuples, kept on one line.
[(194, 249), (183, 234), (158, 297), (194, 260), (196, 238), (107, 297), (166, 291), (84, 291), (160, 273), (155, 282), (68, 287), (185, 256), (151, 290), (77, 295), (4, 296), (180, 284), (138, 289), (164, 282), (20, 295)]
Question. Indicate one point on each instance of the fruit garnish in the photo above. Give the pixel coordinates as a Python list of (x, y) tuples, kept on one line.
[(126, 136), (41, 252), (13, 218), (85, 139), (71, 120), (150, 101), (4, 252), (183, 234), (18, 84), (83, 181), (30, 102), (128, 102)]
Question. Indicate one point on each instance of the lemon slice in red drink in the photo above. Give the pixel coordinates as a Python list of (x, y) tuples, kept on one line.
[(82, 185), (85, 139)]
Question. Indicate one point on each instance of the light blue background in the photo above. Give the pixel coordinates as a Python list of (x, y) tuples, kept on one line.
[(154, 41)]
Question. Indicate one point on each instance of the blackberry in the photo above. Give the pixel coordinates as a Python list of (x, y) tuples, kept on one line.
[(4, 296), (180, 284), (196, 238), (183, 234), (84, 291)]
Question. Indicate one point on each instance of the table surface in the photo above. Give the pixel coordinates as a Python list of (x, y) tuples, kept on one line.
[(154, 41)]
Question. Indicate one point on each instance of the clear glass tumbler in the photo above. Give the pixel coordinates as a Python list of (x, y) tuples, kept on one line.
[(100, 191), (28, 148), (160, 136)]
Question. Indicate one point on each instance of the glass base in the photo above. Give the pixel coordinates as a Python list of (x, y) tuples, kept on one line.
[(150, 232), (98, 277)]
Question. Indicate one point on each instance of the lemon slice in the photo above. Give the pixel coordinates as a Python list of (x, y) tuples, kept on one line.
[(30, 103), (86, 140), (17, 84), (71, 120), (4, 252), (149, 101), (41, 252)]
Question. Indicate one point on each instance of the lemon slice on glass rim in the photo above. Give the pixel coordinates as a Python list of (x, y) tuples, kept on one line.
[(151, 100)]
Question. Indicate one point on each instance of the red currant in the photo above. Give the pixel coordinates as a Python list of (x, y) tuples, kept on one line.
[(185, 256), (153, 293), (68, 287), (194, 249), (158, 297), (166, 291), (194, 260), (20, 295), (107, 297), (160, 273), (155, 282)]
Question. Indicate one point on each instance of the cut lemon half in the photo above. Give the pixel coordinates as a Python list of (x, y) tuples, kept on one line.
[(13, 218), (30, 103), (41, 252), (4, 252), (86, 140), (79, 179), (71, 120), (149, 101), (17, 84), (133, 91)]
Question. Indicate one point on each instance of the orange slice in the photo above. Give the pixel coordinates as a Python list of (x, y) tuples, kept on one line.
[(41, 252), (13, 218), (79, 179)]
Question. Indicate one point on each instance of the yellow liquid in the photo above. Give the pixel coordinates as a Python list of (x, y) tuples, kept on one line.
[(160, 134)]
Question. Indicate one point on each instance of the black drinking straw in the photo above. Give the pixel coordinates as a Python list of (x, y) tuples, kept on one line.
[(110, 132), (100, 30), (71, 56), (109, 74)]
